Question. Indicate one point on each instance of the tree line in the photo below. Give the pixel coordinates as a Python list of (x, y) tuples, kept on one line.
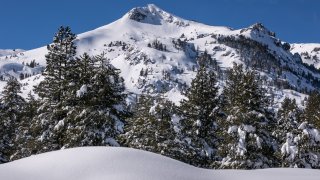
[(82, 102)]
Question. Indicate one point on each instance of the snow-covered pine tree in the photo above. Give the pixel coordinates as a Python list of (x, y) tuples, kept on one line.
[(286, 132), (246, 141), (24, 140), (198, 113), (150, 128), (59, 59), (309, 134), (97, 117), (54, 90), (312, 112), (12, 105)]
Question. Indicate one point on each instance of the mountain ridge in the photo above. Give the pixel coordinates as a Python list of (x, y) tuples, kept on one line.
[(126, 42)]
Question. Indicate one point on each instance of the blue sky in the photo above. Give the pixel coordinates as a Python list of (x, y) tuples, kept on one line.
[(29, 24)]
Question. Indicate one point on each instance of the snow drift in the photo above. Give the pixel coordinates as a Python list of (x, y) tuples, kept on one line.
[(114, 163)]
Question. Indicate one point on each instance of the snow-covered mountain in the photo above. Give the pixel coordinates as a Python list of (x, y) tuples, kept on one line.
[(115, 163), (133, 43)]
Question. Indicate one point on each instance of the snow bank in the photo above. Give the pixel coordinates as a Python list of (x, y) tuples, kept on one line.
[(114, 163)]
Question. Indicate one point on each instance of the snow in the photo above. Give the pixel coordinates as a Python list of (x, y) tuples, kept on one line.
[(303, 125), (10, 52), (232, 129), (249, 128), (309, 52), (82, 91), (198, 123), (258, 140), (315, 134), (114, 163), (289, 148), (241, 147), (59, 125)]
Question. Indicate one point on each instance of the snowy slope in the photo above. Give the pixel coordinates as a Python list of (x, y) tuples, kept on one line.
[(11, 52), (114, 163), (126, 43), (310, 53)]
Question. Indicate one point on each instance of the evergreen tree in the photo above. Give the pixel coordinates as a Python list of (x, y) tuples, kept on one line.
[(247, 142), (312, 112), (98, 116), (25, 139), (154, 127), (308, 146), (59, 59), (286, 132), (198, 114), (150, 128), (54, 91), (12, 106)]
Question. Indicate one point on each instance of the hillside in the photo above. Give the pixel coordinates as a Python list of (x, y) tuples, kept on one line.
[(97, 163), (11, 52), (310, 53), (129, 44)]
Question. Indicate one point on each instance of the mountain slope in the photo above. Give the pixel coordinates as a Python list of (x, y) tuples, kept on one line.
[(310, 53), (129, 41), (10, 52), (97, 163)]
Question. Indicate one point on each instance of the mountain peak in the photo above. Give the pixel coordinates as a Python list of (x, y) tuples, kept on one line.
[(152, 14), (259, 27), (153, 7)]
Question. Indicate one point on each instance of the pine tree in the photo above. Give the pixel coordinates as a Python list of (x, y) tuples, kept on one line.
[(98, 116), (54, 91), (12, 106), (286, 132), (151, 128), (25, 139), (59, 59), (312, 112), (247, 142), (198, 114), (308, 139)]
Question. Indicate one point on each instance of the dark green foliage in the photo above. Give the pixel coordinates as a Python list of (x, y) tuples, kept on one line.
[(309, 134), (99, 111), (198, 112), (59, 59), (288, 119), (150, 128), (246, 141), (11, 112), (157, 45), (25, 139), (312, 112), (54, 91), (81, 103)]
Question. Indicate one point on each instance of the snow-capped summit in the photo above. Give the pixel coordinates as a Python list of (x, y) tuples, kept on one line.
[(152, 14), (259, 28)]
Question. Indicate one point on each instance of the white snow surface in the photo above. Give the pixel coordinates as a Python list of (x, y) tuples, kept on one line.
[(10, 52), (115, 163), (310, 52)]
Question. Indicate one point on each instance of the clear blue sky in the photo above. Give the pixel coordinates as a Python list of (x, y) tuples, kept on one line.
[(29, 24)]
